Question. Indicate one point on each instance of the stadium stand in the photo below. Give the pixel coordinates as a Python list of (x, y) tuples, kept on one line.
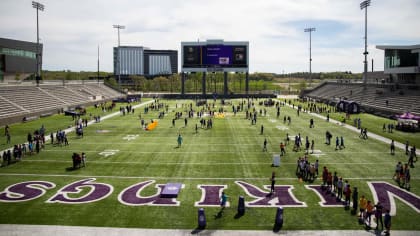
[(380, 99), (18, 102)]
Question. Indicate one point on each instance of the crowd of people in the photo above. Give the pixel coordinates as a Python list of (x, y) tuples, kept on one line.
[(35, 143), (390, 127), (305, 170), (79, 160), (342, 191), (402, 175), (340, 188)]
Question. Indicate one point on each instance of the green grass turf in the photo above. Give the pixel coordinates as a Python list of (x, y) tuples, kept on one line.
[(231, 151), (19, 131), (373, 124)]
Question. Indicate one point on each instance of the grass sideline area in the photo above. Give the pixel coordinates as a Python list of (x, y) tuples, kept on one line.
[(373, 123), (230, 151)]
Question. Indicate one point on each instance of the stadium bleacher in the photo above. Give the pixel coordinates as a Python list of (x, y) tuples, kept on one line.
[(372, 97), (26, 100)]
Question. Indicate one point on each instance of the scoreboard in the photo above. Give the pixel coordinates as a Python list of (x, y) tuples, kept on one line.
[(214, 55)]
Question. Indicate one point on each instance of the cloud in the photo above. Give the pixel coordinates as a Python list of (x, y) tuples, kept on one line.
[(72, 30)]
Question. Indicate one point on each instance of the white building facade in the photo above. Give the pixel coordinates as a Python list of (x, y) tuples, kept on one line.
[(133, 60)]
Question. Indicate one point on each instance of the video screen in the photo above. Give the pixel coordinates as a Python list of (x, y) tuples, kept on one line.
[(192, 55), (215, 56)]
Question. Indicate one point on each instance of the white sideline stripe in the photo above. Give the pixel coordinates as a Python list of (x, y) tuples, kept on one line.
[(206, 152), (160, 144), (41, 230), (207, 163), (185, 178)]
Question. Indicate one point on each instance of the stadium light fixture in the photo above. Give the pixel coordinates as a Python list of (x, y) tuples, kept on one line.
[(310, 30), (364, 5), (39, 7), (118, 27)]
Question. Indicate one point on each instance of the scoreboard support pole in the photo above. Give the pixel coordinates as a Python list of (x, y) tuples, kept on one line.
[(203, 84), (183, 75), (225, 84), (246, 83)]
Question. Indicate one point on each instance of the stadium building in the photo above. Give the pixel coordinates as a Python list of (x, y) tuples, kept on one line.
[(18, 57), (134, 60), (402, 63)]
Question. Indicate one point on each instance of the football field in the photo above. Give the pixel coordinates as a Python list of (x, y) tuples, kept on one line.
[(127, 167)]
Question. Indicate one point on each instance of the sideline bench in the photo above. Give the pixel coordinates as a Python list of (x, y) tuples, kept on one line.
[(29, 118), (46, 114)]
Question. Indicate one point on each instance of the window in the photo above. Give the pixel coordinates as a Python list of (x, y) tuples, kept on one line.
[(18, 53), (400, 58)]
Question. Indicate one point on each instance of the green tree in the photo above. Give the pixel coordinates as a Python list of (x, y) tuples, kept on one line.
[(241, 79), (265, 85), (112, 82), (17, 76), (69, 75), (161, 83), (302, 85), (139, 82)]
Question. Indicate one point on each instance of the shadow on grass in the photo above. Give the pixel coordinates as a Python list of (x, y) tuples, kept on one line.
[(11, 162), (376, 232), (218, 214), (71, 168), (238, 215), (277, 228), (197, 230)]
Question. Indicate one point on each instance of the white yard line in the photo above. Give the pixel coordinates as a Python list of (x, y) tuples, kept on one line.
[(180, 178), (206, 152), (208, 163)]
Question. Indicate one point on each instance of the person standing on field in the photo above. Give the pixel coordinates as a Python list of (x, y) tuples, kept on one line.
[(362, 205), (392, 147), (369, 212), (223, 200), (312, 146), (273, 182), (378, 215), (387, 221), (355, 199), (282, 149), (84, 159), (179, 140), (265, 145), (337, 143)]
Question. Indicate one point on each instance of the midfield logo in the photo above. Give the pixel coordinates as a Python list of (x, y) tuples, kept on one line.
[(88, 190)]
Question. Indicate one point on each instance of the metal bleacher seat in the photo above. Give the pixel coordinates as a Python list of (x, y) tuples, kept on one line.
[(369, 95)]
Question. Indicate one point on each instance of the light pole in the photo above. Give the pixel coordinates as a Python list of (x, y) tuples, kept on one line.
[(364, 5), (310, 30), (98, 65), (39, 7), (118, 27)]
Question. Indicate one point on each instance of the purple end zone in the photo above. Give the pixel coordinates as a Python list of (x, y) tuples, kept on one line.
[(171, 190)]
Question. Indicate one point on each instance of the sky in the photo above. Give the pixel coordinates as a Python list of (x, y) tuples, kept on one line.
[(72, 30)]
